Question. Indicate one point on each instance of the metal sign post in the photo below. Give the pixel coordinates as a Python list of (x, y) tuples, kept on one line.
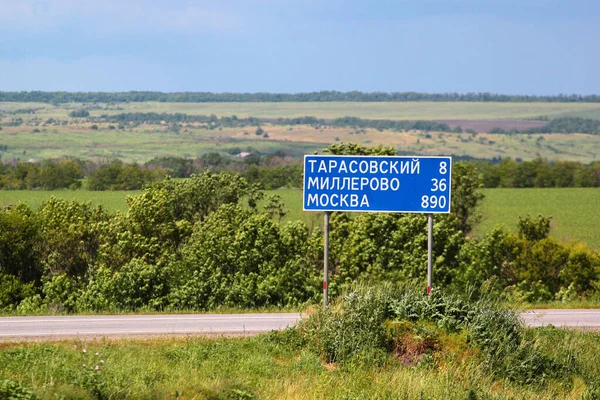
[(325, 258), (429, 251)]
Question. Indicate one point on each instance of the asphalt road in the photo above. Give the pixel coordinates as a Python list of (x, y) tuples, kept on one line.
[(562, 318), (132, 325), (15, 328)]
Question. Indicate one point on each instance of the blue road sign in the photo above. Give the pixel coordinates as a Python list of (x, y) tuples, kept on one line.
[(377, 184)]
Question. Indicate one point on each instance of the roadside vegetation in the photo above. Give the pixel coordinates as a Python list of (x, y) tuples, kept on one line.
[(214, 240), (374, 342)]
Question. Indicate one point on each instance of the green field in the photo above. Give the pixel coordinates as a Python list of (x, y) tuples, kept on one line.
[(575, 211), (373, 110)]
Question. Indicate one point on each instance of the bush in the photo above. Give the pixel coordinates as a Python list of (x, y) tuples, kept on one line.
[(391, 247), (20, 242), (134, 286), (13, 291), (368, 323), (527, 266), (11, 390), (61, 293), (353, 327), (79, 113), (116, 176), (239, 258), (534, 228)]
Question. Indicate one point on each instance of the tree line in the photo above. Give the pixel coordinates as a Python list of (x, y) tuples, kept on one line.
[(560, 125), (204, 243), (538, 173), (267, 171), (212, 121), (69, 173), (321, 96), (557, 125)]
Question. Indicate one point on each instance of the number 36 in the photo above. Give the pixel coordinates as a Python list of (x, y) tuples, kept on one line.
[(439, 185)]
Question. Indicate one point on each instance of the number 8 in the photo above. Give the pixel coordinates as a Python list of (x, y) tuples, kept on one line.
[(443, 167)]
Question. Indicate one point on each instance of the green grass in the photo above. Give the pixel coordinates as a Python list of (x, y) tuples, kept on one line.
[(575, 211), (265, 367), (401, 110)]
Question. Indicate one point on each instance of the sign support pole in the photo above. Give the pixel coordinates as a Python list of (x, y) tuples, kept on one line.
[(325, 258), (429, 251)]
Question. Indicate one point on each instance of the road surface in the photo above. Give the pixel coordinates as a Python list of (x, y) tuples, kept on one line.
[(562, 318), (15, 328), (130, 325)]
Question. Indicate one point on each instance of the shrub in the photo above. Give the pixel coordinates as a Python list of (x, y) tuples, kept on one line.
[(79, 113), (11, 390), (239, 258), (391, 247), (352, 328), (534, 228), (369, 322), (527, 266), (13, 291), (20, 242)]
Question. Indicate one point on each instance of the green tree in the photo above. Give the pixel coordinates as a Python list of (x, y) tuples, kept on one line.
[(466, 194)]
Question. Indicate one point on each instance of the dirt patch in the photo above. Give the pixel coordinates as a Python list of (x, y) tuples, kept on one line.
[(412, 348)]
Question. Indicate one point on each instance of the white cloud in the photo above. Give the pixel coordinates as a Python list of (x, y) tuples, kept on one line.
[(119, 16)]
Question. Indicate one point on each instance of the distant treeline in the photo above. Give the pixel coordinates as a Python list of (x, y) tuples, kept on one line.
[(236, 122), (268, 171), (539, 173), (47, 175), (68, 173), (561, 125), (558, 125), (322, 96)]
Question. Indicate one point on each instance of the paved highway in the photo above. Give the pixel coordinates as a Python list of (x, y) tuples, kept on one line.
[(563, 318), (125, 325), (14, 328)]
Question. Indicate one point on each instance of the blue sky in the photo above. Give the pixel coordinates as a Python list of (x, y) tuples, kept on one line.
[(503, 46)]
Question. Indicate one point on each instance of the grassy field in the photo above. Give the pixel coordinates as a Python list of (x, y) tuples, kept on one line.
[(267, 367), (575, 211), (146, 142), (401, 110)]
